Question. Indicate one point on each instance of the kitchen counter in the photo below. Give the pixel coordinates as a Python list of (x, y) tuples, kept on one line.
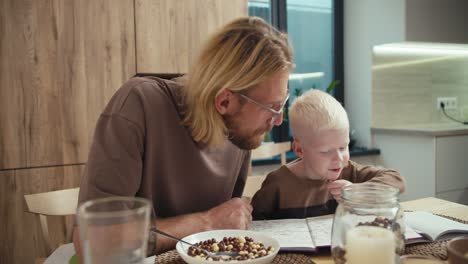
[(433, 129), (290, 156)]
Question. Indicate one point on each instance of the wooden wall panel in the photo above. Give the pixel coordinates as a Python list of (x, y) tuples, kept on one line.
[(169, 33), (61, 60), (209, 16), (20, 231), (14, 79), (162, 36), (109, 52)]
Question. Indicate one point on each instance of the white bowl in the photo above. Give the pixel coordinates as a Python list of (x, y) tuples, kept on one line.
[(219, 235)]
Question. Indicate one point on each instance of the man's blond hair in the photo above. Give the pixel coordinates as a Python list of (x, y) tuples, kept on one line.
[(316, 110), (239, 56)]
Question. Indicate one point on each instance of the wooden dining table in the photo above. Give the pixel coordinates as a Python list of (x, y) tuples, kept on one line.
[(430, 204)]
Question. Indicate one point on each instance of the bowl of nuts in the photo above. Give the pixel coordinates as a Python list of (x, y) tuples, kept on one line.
[(252, 247)]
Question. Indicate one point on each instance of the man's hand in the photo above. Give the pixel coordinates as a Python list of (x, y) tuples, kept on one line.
[(233, 214), (335, 187)]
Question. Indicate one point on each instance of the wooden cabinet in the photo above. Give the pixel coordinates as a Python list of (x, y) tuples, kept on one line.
[(413, 157), (169, 33), (20, 231), (61, 61)]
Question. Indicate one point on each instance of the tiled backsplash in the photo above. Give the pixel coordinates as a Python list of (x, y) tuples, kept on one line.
[(408, 77)]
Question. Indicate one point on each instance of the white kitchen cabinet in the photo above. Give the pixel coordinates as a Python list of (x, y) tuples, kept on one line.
[(433, 160), (452, 167)]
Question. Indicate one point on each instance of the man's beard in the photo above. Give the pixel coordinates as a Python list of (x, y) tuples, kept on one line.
[(243, 141)]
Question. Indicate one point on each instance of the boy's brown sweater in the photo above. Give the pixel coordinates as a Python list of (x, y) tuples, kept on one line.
[(284, 195)]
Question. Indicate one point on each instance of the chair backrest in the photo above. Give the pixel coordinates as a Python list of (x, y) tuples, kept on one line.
[(252, 185), (58, 203), (267, 150)]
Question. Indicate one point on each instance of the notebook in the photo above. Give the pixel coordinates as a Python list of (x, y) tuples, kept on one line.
[(432, 227), (309, 234), (302, 235)]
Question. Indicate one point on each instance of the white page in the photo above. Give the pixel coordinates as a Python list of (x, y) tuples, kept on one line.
[(410, 234), (306, 234), (433, 225), (290, 233), (321, 228)]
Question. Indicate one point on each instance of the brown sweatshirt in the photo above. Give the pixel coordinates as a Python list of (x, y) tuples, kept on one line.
[(284, 195), (141, 149)]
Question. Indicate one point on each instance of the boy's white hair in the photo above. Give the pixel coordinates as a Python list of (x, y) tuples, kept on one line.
[(316, 110)]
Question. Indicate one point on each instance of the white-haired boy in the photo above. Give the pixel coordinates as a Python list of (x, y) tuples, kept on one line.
[(311, 185)]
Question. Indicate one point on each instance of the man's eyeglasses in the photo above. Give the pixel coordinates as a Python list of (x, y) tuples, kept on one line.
[(275, 110)]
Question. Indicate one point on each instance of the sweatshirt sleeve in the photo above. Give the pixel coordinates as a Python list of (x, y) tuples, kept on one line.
[(265, 201), (115, 161), (357, 173), (242, 177)]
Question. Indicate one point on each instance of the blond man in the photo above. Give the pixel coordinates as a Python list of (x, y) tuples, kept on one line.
[(311, 185), (185, 144)]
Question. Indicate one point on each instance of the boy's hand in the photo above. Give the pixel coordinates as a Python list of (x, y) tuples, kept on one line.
[(335, 187)]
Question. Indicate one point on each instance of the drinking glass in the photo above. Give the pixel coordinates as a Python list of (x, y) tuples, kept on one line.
[(114, 230)]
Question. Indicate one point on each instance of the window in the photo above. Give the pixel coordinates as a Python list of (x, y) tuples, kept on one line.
[(315, 29), (260, 8)]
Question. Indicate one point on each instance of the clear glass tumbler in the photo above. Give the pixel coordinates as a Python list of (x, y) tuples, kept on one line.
[(114, 230)]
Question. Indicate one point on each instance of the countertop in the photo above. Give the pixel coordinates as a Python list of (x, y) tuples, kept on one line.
[(290, 156), (433, 129)]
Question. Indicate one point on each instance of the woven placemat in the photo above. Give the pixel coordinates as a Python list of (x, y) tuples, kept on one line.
[(172, 257), (437, 249)]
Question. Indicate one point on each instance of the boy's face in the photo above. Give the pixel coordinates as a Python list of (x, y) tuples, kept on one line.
[(325, 153)]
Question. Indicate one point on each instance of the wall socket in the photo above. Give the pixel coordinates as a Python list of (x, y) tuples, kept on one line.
[(449, 102)]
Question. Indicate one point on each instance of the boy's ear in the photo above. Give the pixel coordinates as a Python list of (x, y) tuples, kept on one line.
[(224, 102), (297, 148)]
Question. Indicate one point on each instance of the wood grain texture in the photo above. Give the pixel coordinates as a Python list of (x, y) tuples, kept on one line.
[(169, 33), (22, 240), (61, 61)]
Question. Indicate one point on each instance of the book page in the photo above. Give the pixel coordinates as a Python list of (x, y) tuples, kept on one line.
[(320, 228), (434, 226), (412, 237), (292, 234)]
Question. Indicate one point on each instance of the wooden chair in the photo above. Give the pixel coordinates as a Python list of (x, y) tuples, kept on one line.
[(267, 150), (55, 203)]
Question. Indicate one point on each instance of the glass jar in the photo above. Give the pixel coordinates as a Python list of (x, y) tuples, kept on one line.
[(368, 225)]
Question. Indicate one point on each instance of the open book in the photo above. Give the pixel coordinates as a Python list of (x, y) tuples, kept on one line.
[(433, 227), (306, 235), (300, 235)]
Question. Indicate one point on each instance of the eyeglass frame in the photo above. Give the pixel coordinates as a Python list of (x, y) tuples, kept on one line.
[(275, 113)]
